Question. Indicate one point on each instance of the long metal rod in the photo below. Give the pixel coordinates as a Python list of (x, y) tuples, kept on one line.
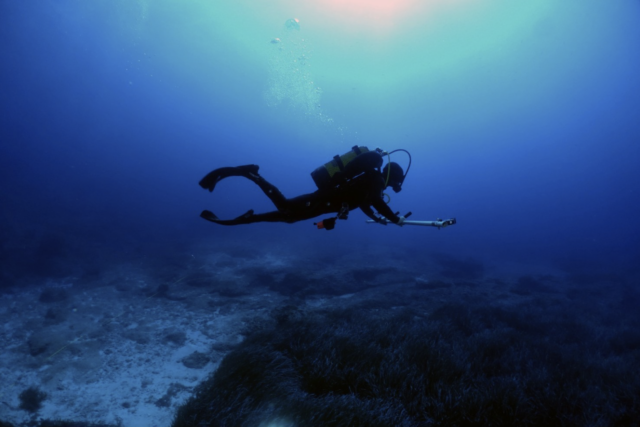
[(440, 223)]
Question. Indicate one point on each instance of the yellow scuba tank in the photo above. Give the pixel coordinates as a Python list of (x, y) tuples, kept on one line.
[(333, 173)]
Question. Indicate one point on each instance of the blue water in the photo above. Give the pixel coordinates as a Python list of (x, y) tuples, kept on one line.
[(522, 119), (522, 122)]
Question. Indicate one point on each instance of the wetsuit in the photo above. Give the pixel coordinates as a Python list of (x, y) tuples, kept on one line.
[(364, 192)]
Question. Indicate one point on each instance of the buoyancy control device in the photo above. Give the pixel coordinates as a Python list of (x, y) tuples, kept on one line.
[(343, 168)]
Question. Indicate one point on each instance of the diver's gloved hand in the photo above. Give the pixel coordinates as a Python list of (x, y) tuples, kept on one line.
[(400, 221)]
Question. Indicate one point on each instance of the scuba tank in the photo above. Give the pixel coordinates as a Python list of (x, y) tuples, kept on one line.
[(343, 168)]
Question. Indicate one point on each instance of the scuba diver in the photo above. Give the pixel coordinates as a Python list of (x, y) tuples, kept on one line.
[(353, 180)]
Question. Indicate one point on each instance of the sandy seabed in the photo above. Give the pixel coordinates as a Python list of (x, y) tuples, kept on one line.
[(128, 346), (127, 349)]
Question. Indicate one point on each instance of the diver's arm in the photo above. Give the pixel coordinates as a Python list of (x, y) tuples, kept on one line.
[(369, 212), (384, 210)]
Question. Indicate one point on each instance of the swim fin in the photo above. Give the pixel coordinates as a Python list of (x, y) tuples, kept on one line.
[(209, 182), (242, 219), (209, 216)]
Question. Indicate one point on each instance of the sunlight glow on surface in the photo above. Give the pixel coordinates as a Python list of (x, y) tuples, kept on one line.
[(380, 42), (382, 16), (375, 14)]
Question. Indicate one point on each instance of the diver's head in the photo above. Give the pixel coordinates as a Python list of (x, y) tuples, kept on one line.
[(395, 176)]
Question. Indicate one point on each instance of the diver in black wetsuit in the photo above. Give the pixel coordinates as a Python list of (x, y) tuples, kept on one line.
[(364, 192)]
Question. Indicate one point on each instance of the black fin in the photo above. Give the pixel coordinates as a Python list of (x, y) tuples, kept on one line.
[(211, 179), (249, 169), (247, 214), (208, 215)]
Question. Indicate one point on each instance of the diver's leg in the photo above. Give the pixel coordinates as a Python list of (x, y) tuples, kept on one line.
[(249, 218), (250, 172), (209, 182), (299, 208), (271, 191)]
